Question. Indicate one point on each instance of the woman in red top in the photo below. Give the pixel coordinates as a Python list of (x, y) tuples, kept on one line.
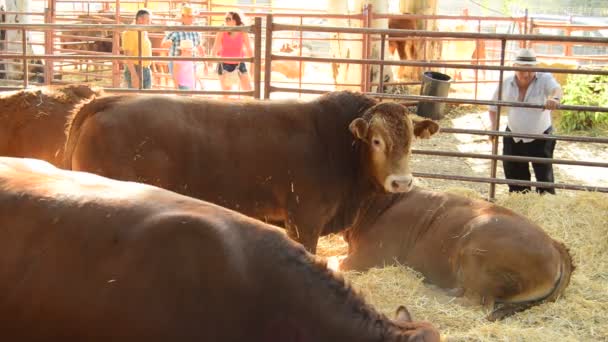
[(233, 44)]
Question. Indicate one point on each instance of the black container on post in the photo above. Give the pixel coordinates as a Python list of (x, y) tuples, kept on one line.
[(433, 84)]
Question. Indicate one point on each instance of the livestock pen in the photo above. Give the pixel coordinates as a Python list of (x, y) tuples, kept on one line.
[(459, 156)]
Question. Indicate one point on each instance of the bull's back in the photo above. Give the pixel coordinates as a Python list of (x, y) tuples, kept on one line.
[(202, 148)]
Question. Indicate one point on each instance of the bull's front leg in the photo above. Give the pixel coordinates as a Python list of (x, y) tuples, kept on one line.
[(304, 225)]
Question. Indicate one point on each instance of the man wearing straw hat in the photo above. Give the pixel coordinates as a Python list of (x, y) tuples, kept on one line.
[(130, 46), (531, 87), (172, 40)]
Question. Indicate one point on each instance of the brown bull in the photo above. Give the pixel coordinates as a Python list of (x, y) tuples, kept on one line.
[(86, 258), (32, 122), (465, 245), (307, 164)]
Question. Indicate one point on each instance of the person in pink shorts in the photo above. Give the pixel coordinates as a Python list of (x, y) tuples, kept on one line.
[(233, 44)]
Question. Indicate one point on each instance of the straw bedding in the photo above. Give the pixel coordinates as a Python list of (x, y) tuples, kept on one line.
[(580, 220)]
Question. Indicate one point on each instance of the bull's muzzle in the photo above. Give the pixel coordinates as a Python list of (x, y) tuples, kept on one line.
[(399, 183)]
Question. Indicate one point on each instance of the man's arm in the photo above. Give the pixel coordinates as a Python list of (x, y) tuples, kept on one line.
[(555, 94), (167, 41), (247, 45), (217, 44), (493, 114)]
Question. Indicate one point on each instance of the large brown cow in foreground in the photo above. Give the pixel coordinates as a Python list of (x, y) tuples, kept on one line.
[(86, 258), (465, 245), (32, 121), (308, 164)]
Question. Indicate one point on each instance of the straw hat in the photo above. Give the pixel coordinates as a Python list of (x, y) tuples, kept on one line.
[(186, 44), (525, 57), (187, 10)]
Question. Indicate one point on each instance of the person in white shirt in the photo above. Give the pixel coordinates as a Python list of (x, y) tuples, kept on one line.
[(530, 87)]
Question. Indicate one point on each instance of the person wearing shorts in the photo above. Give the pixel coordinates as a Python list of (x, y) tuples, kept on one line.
[(233, 44)]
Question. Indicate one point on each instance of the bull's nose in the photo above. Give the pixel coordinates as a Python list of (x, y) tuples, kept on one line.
[(399, 183)]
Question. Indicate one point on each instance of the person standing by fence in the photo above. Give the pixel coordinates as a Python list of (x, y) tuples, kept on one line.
[(233, 44), (173, 39), (530, 87), (130, 46), (184, 74)]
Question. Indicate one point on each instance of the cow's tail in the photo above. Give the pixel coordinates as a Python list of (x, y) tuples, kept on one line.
[(79, 116), (566, 269)]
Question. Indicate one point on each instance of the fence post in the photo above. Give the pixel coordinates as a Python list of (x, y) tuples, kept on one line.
[(49, 15), (267, 58), (365, 43), (24, 51), (257, 52), (493, 163), (381, 66), (116, 50)]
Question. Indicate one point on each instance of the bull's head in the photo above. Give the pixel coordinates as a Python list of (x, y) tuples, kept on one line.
[(387, 133)]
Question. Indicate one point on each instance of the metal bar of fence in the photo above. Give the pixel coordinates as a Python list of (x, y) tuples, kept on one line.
[(257, 68), (439, 34), (510, 158), (485, 102), (438, 65), (123, 27), (495, 181), (468, 101), (124, 57), (522, 135), (294, 90), (268, 57), (176, 91), (286, 27), (24, 51), (496, 124)]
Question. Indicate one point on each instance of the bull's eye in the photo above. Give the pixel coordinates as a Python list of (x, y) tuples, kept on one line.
[(376, 142)]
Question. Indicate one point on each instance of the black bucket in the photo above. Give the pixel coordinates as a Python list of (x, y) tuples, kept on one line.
[(433, 84)]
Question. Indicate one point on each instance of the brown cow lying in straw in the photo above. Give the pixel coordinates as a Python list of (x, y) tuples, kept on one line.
[(87, 258), (465, 245), (308, 164), (32, 121)]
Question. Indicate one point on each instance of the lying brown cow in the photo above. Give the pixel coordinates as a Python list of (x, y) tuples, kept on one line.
[(309, 164), (86, 258), (464, 245), (32, 122)]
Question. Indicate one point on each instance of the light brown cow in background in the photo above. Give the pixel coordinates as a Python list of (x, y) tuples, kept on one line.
[(469, 246), (32, 121)]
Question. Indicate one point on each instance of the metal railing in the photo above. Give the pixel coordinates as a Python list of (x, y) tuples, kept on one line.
[(367, 36)]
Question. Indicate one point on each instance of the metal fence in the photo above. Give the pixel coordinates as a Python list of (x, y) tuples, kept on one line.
[(263, 36)]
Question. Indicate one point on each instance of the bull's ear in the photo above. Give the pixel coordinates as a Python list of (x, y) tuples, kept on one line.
[(403, 315), (424, 128), (359, 128)]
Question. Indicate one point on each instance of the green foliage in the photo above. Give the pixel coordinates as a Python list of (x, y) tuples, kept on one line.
[(584, 90)]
